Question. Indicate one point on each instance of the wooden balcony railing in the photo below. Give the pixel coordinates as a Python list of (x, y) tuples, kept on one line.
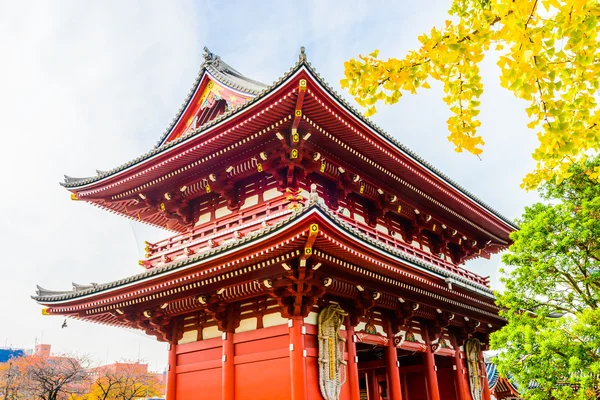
[(238, 224), (229, 227), (414, 251)]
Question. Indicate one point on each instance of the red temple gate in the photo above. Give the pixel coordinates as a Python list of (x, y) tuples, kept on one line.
[(286, 202)]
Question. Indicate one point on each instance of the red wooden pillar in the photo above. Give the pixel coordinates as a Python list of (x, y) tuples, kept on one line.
[(486, 386), (393, 373), (172, 371), (430, 368), (373, 385), (297, 364), (353, 385), (228, 392), (461, 377)]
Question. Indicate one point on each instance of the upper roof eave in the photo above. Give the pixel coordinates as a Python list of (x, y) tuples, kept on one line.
[(295, 218), (77, 183)]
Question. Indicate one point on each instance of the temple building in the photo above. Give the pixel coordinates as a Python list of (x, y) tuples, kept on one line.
[(313, 256)]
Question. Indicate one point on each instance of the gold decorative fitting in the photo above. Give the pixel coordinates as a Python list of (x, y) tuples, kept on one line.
[(259, 167), (295, 136), (207, 188), (162, 207), (302, 85), (45, 311), (141, 262), (362, 189), (322, 169), (298, 113), (314, 228), (74, 196), (294, 153)]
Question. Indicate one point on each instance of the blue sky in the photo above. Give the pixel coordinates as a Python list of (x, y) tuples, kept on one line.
[(87, 86)]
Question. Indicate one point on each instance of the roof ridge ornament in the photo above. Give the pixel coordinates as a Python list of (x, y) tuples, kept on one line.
[(302, 55), (210, 57)]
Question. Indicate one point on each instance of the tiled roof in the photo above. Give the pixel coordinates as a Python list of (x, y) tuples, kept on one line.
[(228, 74), (44, 295)]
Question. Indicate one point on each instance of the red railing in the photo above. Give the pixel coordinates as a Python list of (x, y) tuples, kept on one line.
[(238, 224), (210, 234), (414, 251)]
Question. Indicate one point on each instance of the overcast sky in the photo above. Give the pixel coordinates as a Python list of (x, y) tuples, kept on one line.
[(91, 85)]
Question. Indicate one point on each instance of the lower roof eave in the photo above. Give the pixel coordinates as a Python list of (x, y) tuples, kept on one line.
[(260, 237)]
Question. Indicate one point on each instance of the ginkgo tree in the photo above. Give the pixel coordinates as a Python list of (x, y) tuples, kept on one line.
[(550, 346), (549, 56)]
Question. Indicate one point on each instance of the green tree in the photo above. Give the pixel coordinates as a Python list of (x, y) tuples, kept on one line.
[(552, 340), (549, 56)]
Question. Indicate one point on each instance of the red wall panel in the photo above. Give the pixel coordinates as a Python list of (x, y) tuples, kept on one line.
[(205, 385), (263, 380)]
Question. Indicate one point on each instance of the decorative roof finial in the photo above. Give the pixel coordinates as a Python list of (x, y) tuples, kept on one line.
[(207, 54), (302, 56)]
